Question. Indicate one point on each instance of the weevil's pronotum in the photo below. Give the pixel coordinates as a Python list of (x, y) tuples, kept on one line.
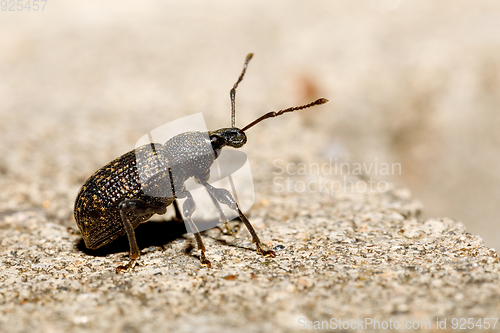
[(117, 197)]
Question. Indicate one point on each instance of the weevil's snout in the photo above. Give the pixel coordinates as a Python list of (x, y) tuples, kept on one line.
[(233, 137)]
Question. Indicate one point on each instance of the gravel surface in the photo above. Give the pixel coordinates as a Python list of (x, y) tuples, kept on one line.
[(346, 256)]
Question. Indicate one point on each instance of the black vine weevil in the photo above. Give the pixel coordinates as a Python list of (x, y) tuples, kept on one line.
[(128, 191)]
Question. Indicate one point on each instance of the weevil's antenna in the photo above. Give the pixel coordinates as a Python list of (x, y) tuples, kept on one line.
[(232, 93), (279, 113)]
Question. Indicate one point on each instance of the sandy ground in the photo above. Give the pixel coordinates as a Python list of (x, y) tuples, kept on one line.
[(413, 88), (347, 257)]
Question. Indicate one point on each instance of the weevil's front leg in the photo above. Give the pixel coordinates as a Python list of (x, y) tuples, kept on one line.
[(224, 197), (130, 211), (188, 209), (222, 217)]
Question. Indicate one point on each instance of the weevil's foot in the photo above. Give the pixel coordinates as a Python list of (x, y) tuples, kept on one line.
[(131, 264), (266, 252), (176, 219), (189, 246), (205, 261), (226, 229)]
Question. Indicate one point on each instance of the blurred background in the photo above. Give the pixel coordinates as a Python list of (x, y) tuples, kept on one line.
[(409, 82)]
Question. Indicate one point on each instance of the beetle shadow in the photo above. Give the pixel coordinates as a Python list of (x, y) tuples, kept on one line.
[(157, 233)]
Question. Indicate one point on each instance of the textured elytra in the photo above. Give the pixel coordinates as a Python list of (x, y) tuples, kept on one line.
[(152, 173)]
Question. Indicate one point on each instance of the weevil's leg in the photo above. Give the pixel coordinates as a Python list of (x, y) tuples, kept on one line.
[(224, 197), (178, 215), (222, 217), (188, 209), (130, 211)]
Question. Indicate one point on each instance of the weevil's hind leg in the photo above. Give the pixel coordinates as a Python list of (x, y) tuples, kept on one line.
[(188, 209), (225, 228), (178, 215), (130, 211), (224, 197)]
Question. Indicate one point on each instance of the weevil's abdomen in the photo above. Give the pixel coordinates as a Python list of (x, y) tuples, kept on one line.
[(139, 174)]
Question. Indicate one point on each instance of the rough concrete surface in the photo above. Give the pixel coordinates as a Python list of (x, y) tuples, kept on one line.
[(82, 81), (346, 257)]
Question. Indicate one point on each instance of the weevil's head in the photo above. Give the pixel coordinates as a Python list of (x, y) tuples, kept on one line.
[(235, 137), (232, 137)]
